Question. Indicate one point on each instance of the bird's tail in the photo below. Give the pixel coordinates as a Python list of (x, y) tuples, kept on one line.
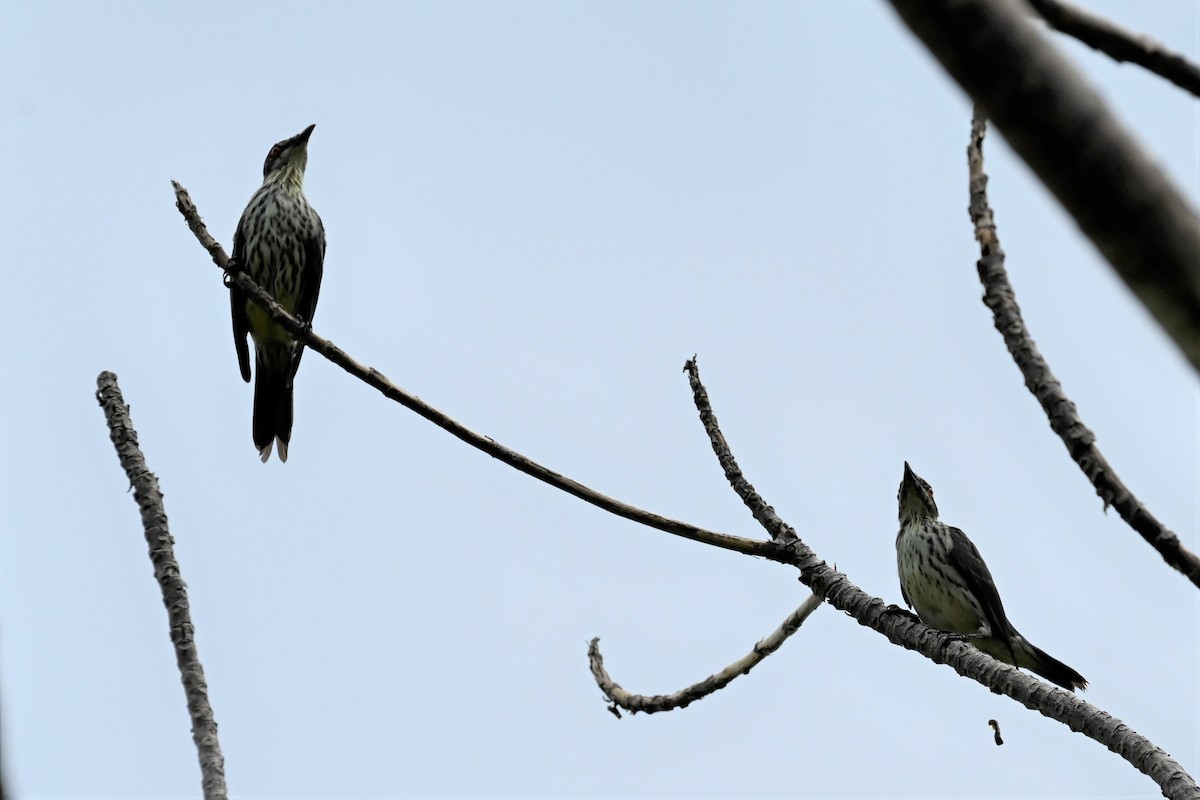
[(1037, 660), (273, 399)]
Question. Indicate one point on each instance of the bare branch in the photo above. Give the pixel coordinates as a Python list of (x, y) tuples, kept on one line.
[(904, 629), (998, 295), (1119, 44), (897, 625), (1061, 128), (166, 570), (379, 381), (685, 697)]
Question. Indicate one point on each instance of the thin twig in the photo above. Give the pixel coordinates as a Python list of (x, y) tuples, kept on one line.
[(379, 381), (684, 697), (1121, 199), (1119, 44), (999, 296), (906, 630), (764, 514), (166, 571)]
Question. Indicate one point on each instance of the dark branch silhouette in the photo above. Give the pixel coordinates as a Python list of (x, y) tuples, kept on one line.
[(651, 704), (1119, 44), (1062, 129), (174, 592), (1064, 420)]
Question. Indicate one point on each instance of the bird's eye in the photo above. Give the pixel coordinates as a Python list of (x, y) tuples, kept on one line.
[(275, 151)]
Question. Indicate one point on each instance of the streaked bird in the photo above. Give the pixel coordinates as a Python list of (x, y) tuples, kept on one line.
[(943, 578), (280, 245)]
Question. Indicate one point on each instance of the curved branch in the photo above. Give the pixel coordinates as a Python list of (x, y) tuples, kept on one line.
[(1061, 128), (651, 704), (1119, 44), (998, 295), (904, 629), (376, 379), (166, 570)]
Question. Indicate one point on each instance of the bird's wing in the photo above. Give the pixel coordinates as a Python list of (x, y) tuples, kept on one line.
[(310, 283), (966, 559), (314, 265), (237, 307), (903, 593)]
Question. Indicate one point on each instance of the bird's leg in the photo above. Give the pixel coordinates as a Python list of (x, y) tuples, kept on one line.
[(984, 632)]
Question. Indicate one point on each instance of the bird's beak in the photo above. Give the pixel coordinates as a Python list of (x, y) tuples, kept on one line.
[(302, 136), (908, 473)]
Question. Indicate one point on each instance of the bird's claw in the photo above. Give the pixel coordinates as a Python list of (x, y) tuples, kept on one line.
[(901, 612)]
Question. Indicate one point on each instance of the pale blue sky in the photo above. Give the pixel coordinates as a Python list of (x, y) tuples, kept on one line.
[(536, 212)]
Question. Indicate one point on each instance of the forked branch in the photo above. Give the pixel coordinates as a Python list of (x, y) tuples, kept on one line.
[(785, 547), (901, 628)]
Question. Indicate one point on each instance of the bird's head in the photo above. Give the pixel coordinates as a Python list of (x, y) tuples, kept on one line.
[(287, 159), (916, 498)]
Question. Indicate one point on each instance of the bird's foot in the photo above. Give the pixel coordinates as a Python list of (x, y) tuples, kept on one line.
[(896, 610)]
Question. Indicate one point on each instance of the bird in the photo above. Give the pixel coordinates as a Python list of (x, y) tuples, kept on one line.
[(280, 245), (945, 580)]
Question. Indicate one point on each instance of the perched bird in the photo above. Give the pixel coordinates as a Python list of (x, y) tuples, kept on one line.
[(280, 245), (943, 577)]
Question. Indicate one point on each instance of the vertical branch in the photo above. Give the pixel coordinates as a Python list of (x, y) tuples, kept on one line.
[(166, 571)]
